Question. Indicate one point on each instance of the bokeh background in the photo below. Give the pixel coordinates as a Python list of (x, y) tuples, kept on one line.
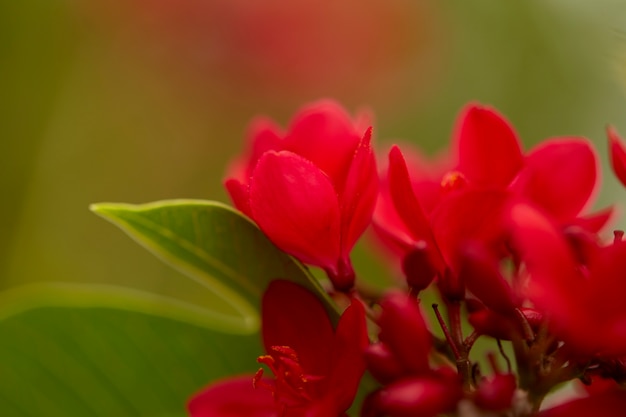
[(142, 100)]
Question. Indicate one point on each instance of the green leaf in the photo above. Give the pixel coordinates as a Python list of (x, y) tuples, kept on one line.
[(215, 245), (74, 351)]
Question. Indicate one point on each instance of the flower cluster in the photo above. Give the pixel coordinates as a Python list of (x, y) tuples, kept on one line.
[(504, 237)]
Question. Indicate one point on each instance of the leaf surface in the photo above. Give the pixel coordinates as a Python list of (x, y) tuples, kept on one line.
[(216, 246), (83, 350)]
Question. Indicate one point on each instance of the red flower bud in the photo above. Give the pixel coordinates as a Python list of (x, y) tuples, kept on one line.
[(420, 396), (496, 393), (382, 364), (418, 268)]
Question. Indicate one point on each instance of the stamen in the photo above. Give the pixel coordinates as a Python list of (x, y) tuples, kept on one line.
[(291, 387), (453, 180)]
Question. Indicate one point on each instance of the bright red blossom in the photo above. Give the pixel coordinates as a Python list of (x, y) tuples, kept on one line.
[(311, 189), (465, 203), (316, 370)]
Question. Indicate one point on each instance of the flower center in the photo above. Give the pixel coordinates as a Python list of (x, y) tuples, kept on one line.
[(291, 387), (452, 181)]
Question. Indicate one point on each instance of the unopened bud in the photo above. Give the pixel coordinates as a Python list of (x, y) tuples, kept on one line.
[(418, 268)]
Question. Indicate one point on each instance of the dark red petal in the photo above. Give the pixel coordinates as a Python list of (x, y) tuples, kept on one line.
[(481, 274), (605, 297), (295, 204), (496, 393), (495, 325), (382, 364), (233, 397), (292, 316), (417, 267), (347, 363), (618, 154), (488, 149), (240, 195), (324, 134), (607, 281), (560, 176), (407, 205), (359, 197), (404, 331)]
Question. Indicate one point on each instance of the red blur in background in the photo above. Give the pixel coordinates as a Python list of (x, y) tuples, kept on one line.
[(280, 49)]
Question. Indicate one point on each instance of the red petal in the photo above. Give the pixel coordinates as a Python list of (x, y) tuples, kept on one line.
[(394, 239), (324, 134), (489, 150), (411, 397), (560, 176), (417, 267), (263, 136), (490, 323), (496, 393), (295, 204), (403, 330), (407, 206), (544, 250), (240, 195), (234, 397), (292, 316), (596, 221), (556, 286), (605, 299), (348, 358), (359, 196), (607, 280), (426, 184), (481, 274), (382, 364), (469, 215), (426, 175), (618, 154)]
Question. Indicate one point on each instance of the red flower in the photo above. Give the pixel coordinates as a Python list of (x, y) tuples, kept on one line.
[(312, 190), (585, 304), (487, 172), (316, 370)]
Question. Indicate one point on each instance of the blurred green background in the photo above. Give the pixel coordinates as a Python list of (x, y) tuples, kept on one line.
[(142, 100)]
